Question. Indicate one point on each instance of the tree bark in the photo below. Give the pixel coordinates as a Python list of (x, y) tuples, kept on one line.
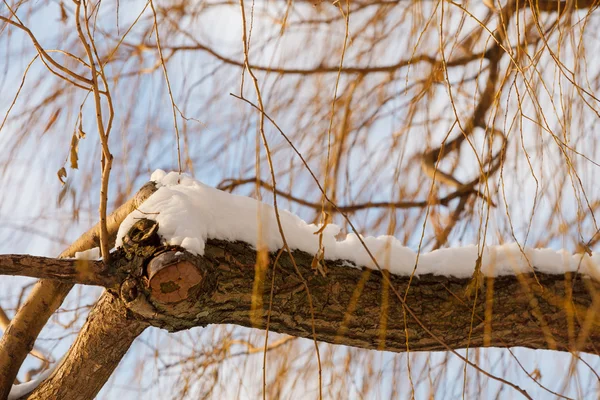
[(85, 272), (539, 5), (357, 307), (100, 345)]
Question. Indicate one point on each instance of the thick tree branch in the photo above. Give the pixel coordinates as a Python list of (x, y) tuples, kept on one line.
[(175, 290), (85, 272), (101, 344), (522, 312), (47, 295)]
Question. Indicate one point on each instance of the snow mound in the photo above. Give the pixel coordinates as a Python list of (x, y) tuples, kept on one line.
[(189, 212)]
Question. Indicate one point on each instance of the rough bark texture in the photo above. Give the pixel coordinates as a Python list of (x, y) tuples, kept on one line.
[(47, 295), (110, 328), (539, 5), (357, 307), (85, 272), (101, 344)]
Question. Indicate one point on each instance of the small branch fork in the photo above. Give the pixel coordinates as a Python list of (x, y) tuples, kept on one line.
[(104, 132), (47, 295), (431, 159)]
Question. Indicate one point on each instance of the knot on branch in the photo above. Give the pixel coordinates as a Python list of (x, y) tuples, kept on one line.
[(142, 239), (164, 281)]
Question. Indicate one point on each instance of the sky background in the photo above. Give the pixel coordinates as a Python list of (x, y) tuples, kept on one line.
[(40, 216)]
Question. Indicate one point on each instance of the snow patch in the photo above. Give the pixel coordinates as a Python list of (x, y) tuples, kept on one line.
[(189, 212), (91, 254), (22, 389)]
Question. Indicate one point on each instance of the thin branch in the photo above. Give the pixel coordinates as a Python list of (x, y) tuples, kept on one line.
[(85, 272), (42, 52), (230, 184), (106, 159), (321, 69)]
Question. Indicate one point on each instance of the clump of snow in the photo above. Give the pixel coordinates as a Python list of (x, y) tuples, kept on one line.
[(189, 212), (91, 254), (20, 390)]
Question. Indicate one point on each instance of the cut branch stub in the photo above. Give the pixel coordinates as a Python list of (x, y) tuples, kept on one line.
[(169, 271), (171, 276), (164, 281)]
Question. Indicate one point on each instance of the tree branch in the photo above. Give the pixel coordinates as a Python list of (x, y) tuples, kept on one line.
[(319, 69), (525, 313), (47, 295), (175, 290), (103, 341), (230, 184), (540, 5), (85, 272)]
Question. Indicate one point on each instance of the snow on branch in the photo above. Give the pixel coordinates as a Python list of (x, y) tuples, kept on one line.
[(189, 213)]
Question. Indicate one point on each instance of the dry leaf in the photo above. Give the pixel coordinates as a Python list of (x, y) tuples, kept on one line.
[(80, 132), (73, 152), (62, 174)]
